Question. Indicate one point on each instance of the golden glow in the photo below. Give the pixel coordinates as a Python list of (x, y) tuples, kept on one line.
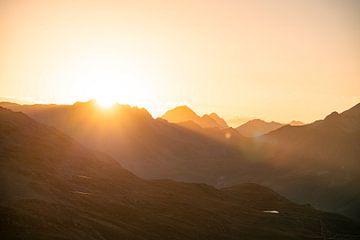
[(105, 102), (266, 59), (109, 79)]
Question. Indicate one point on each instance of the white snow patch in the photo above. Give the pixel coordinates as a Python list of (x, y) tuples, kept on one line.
[(271, 211)]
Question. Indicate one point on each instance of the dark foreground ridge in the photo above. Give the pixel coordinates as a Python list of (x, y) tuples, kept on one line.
[(53, 188)]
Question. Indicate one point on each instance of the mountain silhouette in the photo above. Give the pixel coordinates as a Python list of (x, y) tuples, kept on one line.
[(54, 188), (257, 127), (296, 123), (183, 114), (180, 114), (321, 158), (151, 148), (315, 163), (237, 121), (220, 121)]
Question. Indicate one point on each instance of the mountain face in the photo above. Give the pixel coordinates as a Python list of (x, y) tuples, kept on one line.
[(322, 159), (180, 114), (220, 121), (151, 148), (257, 127), (54, 188), (315, 163), (183, 114)]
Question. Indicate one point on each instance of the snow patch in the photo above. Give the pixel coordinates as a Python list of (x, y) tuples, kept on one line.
[(271, 211)]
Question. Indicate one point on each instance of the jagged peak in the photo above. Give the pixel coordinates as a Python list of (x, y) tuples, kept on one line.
[(183, 109), (180, 114), (219, 120), (256, 120), (260, 121), (332, 116), (296, 123), (214, 115)]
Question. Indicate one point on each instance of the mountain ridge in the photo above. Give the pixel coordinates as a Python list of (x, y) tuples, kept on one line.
[(257, 127), (182, 114), (54, 188), (151, 148), (314, 163), (325, 151)]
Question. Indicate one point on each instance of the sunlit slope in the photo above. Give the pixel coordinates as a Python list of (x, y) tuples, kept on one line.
[(151, 148), (53, 188)]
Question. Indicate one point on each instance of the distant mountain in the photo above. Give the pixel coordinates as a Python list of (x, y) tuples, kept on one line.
[(183, 114), (326, 141), (315, 163), (54, 188), (237, 121), (151, 148), (322, 159), (296, 123), (257, 127), (220, 121), (14, 100), (180, 114)]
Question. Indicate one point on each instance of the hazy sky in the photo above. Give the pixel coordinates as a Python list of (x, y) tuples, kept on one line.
[(278, 60)]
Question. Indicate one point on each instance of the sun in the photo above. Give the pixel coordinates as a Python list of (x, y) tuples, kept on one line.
[(105, 102)]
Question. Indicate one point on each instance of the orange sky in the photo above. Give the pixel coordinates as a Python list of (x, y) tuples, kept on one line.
[(277, 60)]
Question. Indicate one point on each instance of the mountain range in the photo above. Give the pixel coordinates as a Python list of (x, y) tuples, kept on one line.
[(322, 156), (151, 148), (257, 127), (183, 114), (54, 188), (314, 163), (186, 117)]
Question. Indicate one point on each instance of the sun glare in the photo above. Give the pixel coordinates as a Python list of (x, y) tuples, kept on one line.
[(105, 102)]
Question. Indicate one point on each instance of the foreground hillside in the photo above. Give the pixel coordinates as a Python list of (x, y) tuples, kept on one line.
[(53, 188)]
